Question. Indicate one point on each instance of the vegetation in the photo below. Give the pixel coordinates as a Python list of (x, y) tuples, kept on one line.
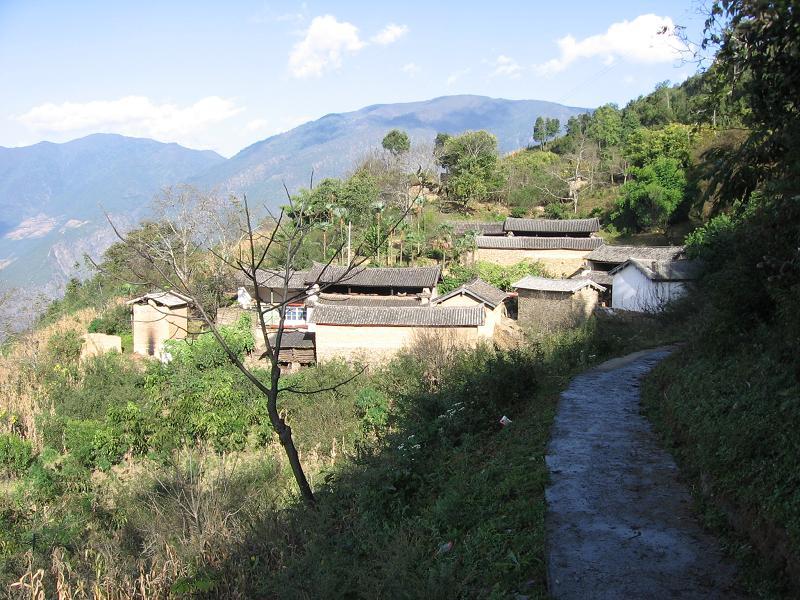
[(168, 479), (728, 404)]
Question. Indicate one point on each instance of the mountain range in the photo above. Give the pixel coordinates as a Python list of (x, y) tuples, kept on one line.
[(54, 197)]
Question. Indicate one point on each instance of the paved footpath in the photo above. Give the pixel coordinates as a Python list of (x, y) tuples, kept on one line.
[(619, 521)]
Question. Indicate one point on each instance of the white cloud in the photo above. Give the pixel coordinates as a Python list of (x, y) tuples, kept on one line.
[(411, 69), (505, 66), (456, 75), (131, 115), (325, 41), (257, 125), (648, 39), (389, 34)]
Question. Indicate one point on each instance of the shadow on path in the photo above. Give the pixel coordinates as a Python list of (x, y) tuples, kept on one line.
[(619, 522)]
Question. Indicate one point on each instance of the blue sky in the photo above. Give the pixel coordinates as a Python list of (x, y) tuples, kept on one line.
[(223, 75)]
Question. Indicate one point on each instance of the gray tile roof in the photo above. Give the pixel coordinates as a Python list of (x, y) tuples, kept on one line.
[(664, 270), (552, 225), (168, 299), (481, 227), (537, 243), (478, 289), (275, 278), (619, 254), (544, 284), (422, 316), (294, 339), (365, 300), (384, 277), (600, 277)]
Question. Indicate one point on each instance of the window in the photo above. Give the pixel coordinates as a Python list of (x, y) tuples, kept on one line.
[(296, 313)]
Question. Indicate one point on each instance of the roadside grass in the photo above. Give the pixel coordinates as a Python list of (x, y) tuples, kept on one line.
[(732, 421)]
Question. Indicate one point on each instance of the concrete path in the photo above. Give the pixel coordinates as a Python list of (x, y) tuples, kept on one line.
[(619, 522)]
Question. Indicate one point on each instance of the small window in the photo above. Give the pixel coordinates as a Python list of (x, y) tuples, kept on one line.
[(296, 313)]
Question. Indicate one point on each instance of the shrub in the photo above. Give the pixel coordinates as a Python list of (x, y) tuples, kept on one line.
[(114, 321), (16, 454), (205, 352), (65, 347)]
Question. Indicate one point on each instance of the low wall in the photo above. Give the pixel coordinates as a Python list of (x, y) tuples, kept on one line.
[(95, 344)]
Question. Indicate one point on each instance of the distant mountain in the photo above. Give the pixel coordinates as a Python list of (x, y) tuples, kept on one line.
[(52, 196), (330, 146)]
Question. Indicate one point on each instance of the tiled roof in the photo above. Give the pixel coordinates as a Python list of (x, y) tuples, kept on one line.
[(168, 299), (619, 254), (478, 289), (294, 339), (599, 277), (481, 227), (664, 270), (538, 243), (552, 225), (544, 284), (422, 316), (365, 300), (409, 277), (275, 278)]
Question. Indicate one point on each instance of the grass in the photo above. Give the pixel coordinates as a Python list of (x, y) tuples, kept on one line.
[(421, 492), (731, 420)]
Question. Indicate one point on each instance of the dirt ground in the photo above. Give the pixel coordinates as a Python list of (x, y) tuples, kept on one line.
[(619, 521)]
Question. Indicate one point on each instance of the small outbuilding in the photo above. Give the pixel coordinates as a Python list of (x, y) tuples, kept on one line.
[(550, 304), (648, 286), (477, 293), (297, 349), (158, 317)]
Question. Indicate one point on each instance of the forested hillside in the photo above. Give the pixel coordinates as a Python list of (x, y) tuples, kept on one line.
[(149, 479)]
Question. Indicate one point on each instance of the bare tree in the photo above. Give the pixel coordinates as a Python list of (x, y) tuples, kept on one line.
[(201, 234)]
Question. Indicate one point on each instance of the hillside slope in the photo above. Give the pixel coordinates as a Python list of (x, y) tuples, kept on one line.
[(330, 146), (52, 198)]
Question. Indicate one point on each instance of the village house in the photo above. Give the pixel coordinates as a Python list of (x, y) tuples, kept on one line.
[(550, 304), (373, 334), (561, 245), (647, 286), (158, 317), (601, 261), (375, 281)]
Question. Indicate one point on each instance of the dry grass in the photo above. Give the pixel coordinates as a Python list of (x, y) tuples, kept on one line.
[(20, 386)]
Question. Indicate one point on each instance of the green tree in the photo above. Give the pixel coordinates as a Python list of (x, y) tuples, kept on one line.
[(396, 142), (651, 198), (545, 129), (472, 162)]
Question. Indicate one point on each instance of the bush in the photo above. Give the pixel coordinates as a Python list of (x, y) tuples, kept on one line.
[(205, 352), (16, 454), (114, 321), (65, 347), (497, 275)]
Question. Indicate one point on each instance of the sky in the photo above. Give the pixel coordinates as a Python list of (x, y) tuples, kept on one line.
[(223, 75)]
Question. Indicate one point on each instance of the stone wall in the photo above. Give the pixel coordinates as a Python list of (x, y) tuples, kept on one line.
[(549, 311), (559, 263)]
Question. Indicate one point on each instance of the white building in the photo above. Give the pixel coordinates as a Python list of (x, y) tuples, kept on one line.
[(647, 286)]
